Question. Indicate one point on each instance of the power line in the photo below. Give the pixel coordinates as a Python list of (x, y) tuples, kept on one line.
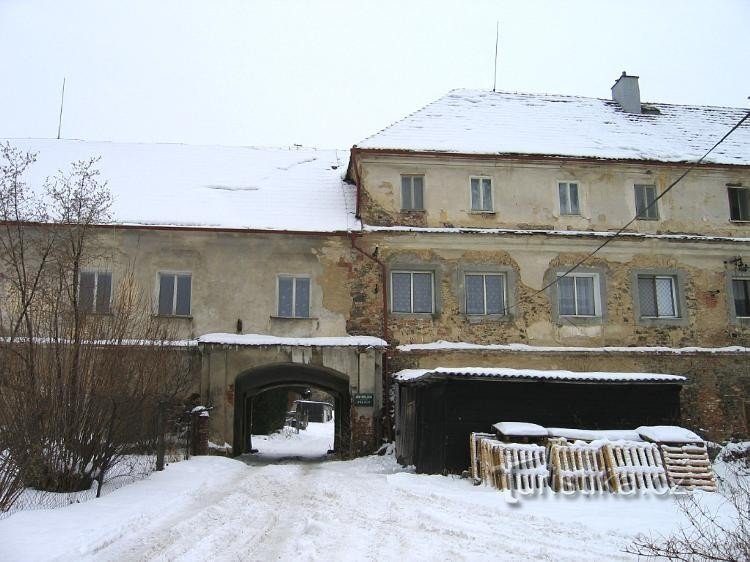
[(637, 215)]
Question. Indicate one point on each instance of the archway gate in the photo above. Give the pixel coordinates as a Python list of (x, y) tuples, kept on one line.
[(237, 368)]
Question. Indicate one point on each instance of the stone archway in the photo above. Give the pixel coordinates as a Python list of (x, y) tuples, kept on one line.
[(254, 381)]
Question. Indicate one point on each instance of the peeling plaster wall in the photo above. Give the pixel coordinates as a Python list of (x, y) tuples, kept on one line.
[(525, 194)]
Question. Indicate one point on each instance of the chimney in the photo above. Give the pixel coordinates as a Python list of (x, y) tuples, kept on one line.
[(627, 94)]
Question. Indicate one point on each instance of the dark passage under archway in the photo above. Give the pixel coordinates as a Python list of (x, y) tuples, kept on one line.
[(260, 379)]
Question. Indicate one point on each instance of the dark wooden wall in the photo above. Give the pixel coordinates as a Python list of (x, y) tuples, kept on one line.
[(435, 436)]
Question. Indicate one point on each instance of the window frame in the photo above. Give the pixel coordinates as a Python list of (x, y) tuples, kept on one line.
[(482, 210), (509, 275), (412, 208), (600, 295), (654, 209), (575, 275), (294, 277), (563, 211), (414, 269), (94, 300), (176, 275), (678, 297), (743, 211), (733, 317)]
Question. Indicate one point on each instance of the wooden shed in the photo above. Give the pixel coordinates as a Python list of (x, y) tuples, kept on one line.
[(319, 412), (437, 409)]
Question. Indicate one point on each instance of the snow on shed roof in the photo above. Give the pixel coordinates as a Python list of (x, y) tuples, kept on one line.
[(424, 375), (485, 122), (211, 186)]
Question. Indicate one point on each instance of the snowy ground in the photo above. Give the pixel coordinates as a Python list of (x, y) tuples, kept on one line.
[(282, 505)]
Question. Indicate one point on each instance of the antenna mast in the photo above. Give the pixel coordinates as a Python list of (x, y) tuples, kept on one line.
[(62, 100), (497, 37)]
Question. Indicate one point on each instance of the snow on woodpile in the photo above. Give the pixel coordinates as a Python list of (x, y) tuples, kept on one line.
[(594, 434), (520, 429), (521, 347), (667, 434), (211, 186), (261, 339), (533, 374), (484, 122)]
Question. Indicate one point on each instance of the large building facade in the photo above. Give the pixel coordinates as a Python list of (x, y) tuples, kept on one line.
[(466, 235)]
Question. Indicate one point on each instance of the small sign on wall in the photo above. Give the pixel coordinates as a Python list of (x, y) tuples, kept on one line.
[(364, 400)]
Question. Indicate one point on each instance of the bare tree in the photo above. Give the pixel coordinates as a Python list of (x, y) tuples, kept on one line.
[(80, 385), (721, 534)]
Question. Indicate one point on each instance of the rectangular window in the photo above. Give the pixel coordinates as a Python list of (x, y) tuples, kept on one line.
[(95, 291), (412, 193), (578, 295), (645, 202), (485, 293), (739, 203), (568, 192), (174, 294), (294, 297), (657, 295), (481, 194), (741, 296), (412, 292)]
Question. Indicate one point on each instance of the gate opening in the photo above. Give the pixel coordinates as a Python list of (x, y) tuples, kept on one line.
[(285, 397)]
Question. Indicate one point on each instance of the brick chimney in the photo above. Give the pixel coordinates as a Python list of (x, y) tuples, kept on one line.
[(627, 94)]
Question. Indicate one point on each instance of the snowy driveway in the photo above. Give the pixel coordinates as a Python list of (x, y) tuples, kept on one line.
[(212, 508)]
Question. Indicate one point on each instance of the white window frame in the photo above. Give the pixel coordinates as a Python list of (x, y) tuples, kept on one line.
[(482, 208), (737, 191), (294, 279), (652, 213), (96, 273), (597, 295), (412, 272), (565, 209), (175, 275), (484, 275), (674, 293), (412, 200)]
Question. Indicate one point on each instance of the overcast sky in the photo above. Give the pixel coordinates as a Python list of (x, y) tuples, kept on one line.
[(330, 73)]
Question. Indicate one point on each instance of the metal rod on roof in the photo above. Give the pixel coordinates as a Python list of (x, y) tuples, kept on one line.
[(497, 38), (62, 100)]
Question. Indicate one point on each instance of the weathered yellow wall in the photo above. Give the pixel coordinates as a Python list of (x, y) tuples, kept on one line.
[(525, 194)]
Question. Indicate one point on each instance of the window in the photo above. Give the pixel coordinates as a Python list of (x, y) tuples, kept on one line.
[(174, 294), (95, 291), (739, 203), (412, 292), (412, 193), (645, 205), (485, 293), (578, 295), (568, 192), (294, 297), (481, 195), (657, 296), (741, 297)]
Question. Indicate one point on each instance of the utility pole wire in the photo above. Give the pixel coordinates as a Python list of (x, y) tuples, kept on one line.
[(631, 221), (62, 100), (497, 38)]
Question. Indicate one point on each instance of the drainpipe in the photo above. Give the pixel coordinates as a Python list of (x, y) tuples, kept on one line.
[(355, 168), (387, 379)]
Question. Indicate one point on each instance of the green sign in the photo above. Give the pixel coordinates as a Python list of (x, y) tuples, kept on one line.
[(364, 400)]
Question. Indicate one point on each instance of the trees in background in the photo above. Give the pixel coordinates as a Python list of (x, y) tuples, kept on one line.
[(87, 372)]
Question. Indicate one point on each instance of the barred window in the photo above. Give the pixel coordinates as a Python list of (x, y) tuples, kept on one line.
[(657, 296)]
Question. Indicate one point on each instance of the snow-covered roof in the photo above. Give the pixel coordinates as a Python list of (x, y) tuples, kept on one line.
[(442, 345), (424, 375), (485, 122), (211, 186), (262, 339)]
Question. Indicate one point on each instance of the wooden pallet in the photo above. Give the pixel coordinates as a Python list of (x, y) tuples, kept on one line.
[(634, 466), (577, 467), (687, 466), (510, 466), (474, 451)]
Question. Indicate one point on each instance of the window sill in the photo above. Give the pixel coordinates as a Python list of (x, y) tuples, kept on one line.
[(652, 219), (482, 318), (567, 320), (413, 211), (655, 322), (174, 316), (273, 317), (489, 213), (739, 221), (419, 315)]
